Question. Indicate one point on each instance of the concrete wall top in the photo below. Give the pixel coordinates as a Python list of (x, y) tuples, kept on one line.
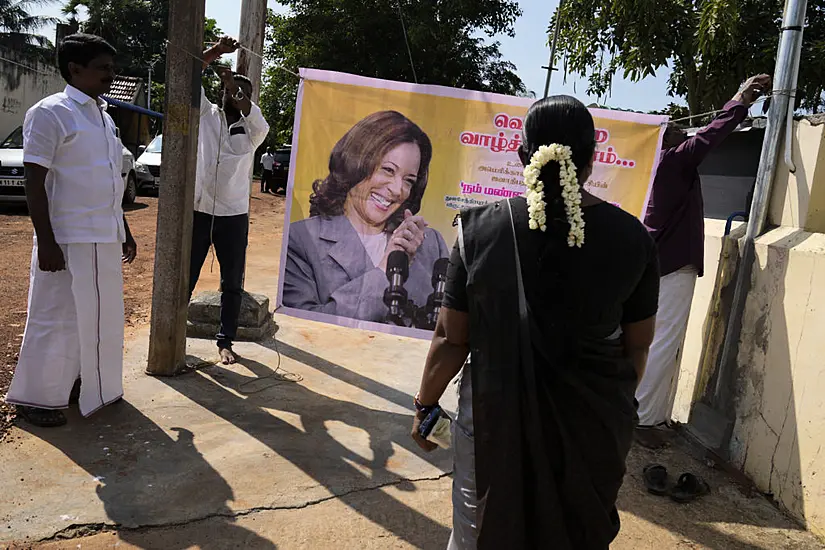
[(798, 199)]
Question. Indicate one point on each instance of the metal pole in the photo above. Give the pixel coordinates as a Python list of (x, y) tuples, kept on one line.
[(167, 339), (553, 45), (784, 80), (149, 91)]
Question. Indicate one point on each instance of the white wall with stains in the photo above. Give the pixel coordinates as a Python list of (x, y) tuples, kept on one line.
[(23, 83)]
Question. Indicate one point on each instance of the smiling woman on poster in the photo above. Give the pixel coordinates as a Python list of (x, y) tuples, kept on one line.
[(365, 209)]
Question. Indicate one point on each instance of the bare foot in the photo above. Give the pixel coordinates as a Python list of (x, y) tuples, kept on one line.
[(228, 357)]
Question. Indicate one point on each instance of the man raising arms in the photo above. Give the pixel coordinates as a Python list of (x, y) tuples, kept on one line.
[(229, 136), (675, 219)]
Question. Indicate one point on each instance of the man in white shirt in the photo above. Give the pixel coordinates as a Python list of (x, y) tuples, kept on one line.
[(268, 163), (229, 136), (74, 189)]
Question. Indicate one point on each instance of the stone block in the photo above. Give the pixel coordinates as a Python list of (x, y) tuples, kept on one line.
[(206, 308), (208, 331), (255, 322)]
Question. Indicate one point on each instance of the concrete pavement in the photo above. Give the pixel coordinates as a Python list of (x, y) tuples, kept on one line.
[(303, 445)]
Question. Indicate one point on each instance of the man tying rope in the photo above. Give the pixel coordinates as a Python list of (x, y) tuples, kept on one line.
[(675, 219), (229, 136)]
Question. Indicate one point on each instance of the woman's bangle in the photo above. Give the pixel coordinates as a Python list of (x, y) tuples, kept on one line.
[(420, 407)]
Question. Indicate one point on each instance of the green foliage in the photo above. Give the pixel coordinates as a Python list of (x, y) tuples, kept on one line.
[(19, 29), (711, 45), (138, 30), (365, 37)]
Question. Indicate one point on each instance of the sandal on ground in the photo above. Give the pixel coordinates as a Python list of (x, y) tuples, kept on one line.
[(655, 476), (689, 488), (44, 418)]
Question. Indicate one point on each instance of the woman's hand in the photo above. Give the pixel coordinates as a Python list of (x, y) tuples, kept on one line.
[(408, 237), (423, 443)]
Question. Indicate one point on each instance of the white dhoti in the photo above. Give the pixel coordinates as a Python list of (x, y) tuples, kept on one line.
[(74, 330), (657, 389), (465, 503)]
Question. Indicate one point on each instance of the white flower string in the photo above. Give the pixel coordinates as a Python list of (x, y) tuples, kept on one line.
[(569, 189)]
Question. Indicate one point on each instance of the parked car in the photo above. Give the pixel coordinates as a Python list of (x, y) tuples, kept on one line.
[(147, 166), (280, 170), (13, 173)]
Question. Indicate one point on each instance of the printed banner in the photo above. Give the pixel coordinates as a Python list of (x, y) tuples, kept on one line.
[(367, 154)]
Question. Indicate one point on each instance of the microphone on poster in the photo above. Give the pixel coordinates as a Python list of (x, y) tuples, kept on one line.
[(395, 296), (428, 315)]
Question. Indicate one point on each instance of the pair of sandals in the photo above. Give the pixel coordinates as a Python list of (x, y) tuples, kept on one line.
[(688, 488)]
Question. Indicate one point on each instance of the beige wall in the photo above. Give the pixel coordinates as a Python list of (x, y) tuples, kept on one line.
[(20, 88), (799, 199), (780, 427), (779, 432)]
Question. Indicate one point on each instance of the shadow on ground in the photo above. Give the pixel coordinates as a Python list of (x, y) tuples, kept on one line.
[(150, 478), (146, 475), (314, 450)]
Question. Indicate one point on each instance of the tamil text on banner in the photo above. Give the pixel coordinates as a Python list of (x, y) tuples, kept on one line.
[(367, 153)]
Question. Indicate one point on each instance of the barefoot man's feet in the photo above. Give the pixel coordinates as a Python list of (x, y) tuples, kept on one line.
[(228, 357)]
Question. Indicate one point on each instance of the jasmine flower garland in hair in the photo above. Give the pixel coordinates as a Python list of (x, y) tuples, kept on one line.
[(569, 182)]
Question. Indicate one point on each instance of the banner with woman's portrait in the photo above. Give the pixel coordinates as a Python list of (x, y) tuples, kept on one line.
[(378, 173)]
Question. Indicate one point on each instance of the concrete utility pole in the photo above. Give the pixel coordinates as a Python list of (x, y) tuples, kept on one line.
[(553, 45), (167, 340), (253, 29)]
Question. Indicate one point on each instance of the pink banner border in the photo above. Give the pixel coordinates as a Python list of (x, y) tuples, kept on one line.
[(315, 75)]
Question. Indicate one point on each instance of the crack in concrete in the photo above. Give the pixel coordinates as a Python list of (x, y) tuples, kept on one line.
[(88, 529)]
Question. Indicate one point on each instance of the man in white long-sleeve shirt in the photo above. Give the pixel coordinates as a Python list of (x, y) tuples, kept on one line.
[(229, 136)]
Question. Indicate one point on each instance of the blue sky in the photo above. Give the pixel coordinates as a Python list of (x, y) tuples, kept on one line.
[(528, 50)]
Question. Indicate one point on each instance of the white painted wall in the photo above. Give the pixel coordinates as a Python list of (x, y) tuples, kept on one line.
[(22, 84)]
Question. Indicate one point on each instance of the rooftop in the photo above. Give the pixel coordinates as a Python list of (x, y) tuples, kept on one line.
[(125, 88)]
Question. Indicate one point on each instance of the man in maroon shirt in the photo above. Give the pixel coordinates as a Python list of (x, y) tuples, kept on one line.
[(675, 219)]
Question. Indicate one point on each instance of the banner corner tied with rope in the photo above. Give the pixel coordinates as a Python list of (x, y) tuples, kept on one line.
[(380, 169)]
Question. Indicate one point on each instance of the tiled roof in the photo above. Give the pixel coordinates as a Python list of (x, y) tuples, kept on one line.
[(125, 88)]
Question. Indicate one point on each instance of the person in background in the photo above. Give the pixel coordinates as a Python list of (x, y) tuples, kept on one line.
[(268, 164), (229, 136), (74, 189), (675, 219), (559, 338)]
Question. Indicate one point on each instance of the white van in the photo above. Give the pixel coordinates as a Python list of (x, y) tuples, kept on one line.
[(148, 165), (13, 173)]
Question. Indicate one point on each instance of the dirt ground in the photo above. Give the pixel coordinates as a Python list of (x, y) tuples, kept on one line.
[(266, 224)]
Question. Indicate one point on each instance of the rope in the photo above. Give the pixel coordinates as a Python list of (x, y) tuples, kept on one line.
[(279, 375), (407, 41), (765, 97), (198, 58)]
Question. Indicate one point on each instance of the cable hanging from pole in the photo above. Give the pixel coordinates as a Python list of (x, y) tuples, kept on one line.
[(407, 41)]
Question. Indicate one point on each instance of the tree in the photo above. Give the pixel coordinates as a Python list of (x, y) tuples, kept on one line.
[(136, 28), (138, 31), (19, 28), (711, 45), (366, 37)]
